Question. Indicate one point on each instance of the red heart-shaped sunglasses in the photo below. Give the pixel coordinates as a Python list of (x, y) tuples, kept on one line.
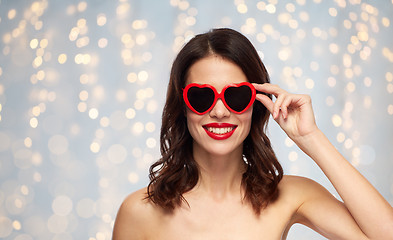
[(202, 98)]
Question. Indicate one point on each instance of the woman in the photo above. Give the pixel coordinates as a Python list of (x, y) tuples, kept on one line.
[(218, 177)]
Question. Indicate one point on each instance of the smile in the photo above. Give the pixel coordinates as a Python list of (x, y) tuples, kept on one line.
[(219, 131)]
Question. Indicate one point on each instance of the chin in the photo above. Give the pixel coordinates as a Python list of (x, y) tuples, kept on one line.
[(221, 148)]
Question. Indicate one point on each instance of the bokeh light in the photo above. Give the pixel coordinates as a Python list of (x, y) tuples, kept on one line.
[(83, 83)]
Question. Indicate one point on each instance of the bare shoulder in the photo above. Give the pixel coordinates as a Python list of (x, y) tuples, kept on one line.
[(301, 186), (296, 180), (318, 209), (300, 192), (136, 200), (135, 216)]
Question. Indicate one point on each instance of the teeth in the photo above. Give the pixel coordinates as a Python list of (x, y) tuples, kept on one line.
[(220, 130)]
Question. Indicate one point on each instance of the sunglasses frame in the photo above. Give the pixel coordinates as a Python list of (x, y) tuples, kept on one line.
[(219, 96)]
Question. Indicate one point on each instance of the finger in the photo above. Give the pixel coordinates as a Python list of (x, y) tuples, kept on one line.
[(284, 106), (278, 105), (268, 88), (266, 101)]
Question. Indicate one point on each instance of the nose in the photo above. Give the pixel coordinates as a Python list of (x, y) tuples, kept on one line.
[(219, 110)]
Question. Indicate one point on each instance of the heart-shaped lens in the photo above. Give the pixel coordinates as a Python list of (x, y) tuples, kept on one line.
[(200, 98), (238, 98)]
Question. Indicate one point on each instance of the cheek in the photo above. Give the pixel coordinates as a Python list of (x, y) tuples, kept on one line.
[(246, 119), (192, 122)]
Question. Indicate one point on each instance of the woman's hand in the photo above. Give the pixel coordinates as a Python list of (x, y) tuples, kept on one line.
[(293, 112)]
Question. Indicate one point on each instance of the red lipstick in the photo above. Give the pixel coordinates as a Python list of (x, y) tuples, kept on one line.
[(219, 131)]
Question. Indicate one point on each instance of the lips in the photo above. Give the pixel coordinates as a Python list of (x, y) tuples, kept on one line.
[(219, 131)]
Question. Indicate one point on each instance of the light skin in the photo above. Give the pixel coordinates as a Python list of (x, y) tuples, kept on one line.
[(216, 209)]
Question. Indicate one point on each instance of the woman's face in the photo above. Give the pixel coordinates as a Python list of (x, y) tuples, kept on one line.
[(219, 131)]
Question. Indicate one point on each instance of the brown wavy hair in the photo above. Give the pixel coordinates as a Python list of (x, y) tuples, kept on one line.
[(177, 172)]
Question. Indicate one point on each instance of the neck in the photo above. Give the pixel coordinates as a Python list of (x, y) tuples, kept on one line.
[(220, 175)]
